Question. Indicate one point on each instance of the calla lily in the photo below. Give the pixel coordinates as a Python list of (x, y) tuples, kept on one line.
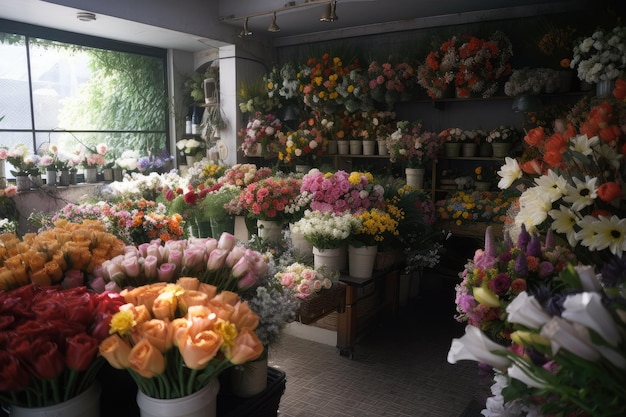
[(486, 297), (586, 308), (526, 310), (563, 334), (588, 278), (518, 373), (476, 346)]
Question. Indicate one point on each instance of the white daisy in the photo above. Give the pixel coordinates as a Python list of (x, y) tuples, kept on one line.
[(553, 184), (534, 208), (582, 194), (610, 233), (564, 222), (586, 234), (582, 144), (509, 172)]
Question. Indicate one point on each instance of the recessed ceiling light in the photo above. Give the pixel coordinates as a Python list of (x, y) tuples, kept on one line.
[(86, 16)]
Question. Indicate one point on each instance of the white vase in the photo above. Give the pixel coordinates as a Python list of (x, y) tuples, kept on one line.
[(605, 88), (361, 261), (356, 147), (382, 148), (369, 147), (190, 160), (250, 378), (85, 404), (415, 177), (331, 259), (51, 177), (3, 175), (343, 147), (270, 230), (303, 169), (202, 403), (301, 246)]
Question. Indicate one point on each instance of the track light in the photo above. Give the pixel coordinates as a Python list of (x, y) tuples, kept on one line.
[(245, 31), (86, 16), (330, 12), (273, 27)]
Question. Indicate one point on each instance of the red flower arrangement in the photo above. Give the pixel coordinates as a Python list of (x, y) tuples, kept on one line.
[(49, 339), (268, 198), (438, 71)]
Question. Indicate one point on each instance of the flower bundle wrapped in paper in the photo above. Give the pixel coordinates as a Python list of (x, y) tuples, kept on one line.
[(49, 341), (48, 257), (175, 338)]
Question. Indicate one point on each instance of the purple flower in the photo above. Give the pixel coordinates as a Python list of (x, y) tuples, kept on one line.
[(523, 238), (534, 246), (521, 266), (545, 269), (500, 284), (614, 272)]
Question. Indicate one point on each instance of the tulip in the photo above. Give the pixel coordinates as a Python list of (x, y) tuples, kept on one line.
[(81, 351), (98, 284), (476, 346), (112, 287), (247, 281), (243, 316), (514, 371), (165, 305), (175, 257), (198, 350), (115, 350), (527, 311), (563, 334), (193, 258), (247, 348), (227, 241), (156, 332), (131, 266), (217, 258), (115, 271), (241, 267), (166, 272), (146, 360), (150, 267), (235, 255), (486, 297), (587, 309), (154, 250), (143, 249), (12, 375)]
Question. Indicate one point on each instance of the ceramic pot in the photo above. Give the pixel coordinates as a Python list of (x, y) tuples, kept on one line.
[(369, 147), (361, 261), (249, 379), (270, 230), (356, 147), (452, 149), (415, 177), (500, 150), (202, 403), (85, 404), (91, 175), (382, 147), (343, 147)]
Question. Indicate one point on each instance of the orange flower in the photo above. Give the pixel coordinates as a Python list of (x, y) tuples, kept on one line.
[(609, 191), (535, 136), (553, 158), (146, 360), (198, 350), (116, 351), (620, 89), (247, 348)]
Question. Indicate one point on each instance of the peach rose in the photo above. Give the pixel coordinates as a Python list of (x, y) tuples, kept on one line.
[(227, 297), (165, 305), (140, 312), (177, 330), (222, 310), (197, 350), (247, 348), (116, 351), (243, 316), (146, 360), (156, 332), (188, 283), (200, 318), (191, 298), (208, 289)]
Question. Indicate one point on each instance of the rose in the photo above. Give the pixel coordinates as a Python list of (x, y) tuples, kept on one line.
[(156, 332), (247, 348), (45, 359), (146, 360), (198, 349), (12, 376), (243, 316), (81, 350)]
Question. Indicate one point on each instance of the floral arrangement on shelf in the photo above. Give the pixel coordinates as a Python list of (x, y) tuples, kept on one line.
[(95, 158), (577, 190), (390, 80), (355, 92), (176, 338), (221, 263), (22, 161), (283, 82), (253, 97), (551, 330), (600, 56), (453, 135), (129, 159), (532, 81), (49, 257), (155, 162), (477, 206), (482, 173), (242, 175), (49, 342), (372, 227), (260, 131), (53, 160), (304, 281), (482, 62), (437, 73), (556, 43), (137, 186), (321, 77), (301, 146), (268, 198), (410, 144), (340, 191), (8, 209), (212, 172), (190, 147), (503, 134), (325, 230)]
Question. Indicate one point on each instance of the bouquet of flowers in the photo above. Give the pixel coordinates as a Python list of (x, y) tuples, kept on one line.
[(321, 77), (302, 146), (482, 62), (551, 330), (156, 162), (253, 97), (49, 342), (469, 207), (304, 281), (95, 158), (174, 339), (389, 80), (503, 134), (600, 56), (268, 198), (339, 191), (372, 227), (261, 130), (282, 82), (409, 143), (325, 230), (22, 161), (242, 175), (453, 134), (556, 43), (532, 81), (190, 147), (48, 257), (438, 70)]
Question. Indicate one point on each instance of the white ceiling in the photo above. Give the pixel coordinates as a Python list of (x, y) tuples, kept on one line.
[(298, 24)]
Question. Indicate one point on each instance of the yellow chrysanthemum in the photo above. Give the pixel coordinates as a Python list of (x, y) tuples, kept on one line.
[(122, 322), (227, 330)]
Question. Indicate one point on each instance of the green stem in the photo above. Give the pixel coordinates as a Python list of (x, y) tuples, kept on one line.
[(69, 387), (55, 391), (191, 382)]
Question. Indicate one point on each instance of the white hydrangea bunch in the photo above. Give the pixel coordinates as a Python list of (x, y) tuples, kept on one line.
[(325, 230), (602, 56), (532, 81)]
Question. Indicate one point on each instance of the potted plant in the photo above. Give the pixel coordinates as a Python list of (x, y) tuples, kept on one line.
[(24, 164), (502, 139)]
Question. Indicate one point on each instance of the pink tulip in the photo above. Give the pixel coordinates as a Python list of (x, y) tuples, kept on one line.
[(241, 267), (209, 245), (131, 267), (166, 272), (248, 280), (217, 258), (235, 254), (154, 250), (143, 249), (98, 284), (175, 257), (193, 258), (227, 241), (150, 267), (112, 287), (115, 271)]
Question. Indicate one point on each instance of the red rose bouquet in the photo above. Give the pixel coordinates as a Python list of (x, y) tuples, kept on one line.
[(49, 339)]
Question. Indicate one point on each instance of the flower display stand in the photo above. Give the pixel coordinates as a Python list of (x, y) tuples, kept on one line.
[(325, 302)]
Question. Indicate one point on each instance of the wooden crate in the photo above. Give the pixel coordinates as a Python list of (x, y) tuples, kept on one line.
[(325, 302)]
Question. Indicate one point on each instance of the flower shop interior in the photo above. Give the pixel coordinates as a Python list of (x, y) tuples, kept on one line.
[(330, 208)]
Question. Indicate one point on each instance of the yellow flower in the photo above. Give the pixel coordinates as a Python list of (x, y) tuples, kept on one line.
[(122, 322), (227, 330)]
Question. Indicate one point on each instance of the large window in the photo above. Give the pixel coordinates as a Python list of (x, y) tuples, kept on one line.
[(77, 92)]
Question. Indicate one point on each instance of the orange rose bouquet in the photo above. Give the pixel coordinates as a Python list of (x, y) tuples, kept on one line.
[(174, 339)]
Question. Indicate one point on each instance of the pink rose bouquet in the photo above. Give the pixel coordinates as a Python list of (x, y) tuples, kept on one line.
[(303, 280), (269, 198)]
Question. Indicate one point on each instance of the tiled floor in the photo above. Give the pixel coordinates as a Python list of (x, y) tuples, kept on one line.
[(398, 369)]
